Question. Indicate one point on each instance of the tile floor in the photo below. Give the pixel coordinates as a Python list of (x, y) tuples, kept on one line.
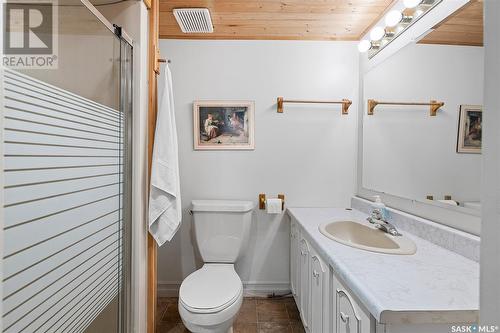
[(257, 315)]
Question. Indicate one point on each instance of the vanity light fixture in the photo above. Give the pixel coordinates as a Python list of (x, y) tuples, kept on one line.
[(418, 12), (411, 3), (364, 45), (393, 18), (396, 22), (377, 33)]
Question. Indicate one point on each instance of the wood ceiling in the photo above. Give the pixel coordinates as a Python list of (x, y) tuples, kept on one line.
[(279, 19), (464, 27)]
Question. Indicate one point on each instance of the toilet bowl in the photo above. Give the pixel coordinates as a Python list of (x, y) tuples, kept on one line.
[(210, 298)]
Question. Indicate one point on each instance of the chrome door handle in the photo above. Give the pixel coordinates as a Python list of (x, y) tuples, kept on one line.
[(344, 317)]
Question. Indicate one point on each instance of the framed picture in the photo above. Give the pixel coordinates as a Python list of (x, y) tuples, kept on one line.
[(223, 125), (470, 129)]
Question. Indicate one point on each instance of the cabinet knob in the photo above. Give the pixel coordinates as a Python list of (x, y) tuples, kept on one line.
[(344, 317)]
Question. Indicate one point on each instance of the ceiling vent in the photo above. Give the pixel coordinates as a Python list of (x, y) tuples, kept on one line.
[(194, 20)]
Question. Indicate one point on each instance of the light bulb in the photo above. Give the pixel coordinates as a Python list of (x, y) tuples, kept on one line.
[(364, 45), (411, 3), (377, 33), (393, 18)]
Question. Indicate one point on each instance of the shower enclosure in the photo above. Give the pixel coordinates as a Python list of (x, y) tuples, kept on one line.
[(66, 181)]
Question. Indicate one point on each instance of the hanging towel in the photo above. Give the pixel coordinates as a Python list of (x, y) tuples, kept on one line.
[(165, 212)]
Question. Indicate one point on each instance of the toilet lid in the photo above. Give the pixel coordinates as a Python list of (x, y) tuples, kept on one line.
[(211, 288)]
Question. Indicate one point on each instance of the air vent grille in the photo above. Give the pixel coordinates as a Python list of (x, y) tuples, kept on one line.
[(194, 20)]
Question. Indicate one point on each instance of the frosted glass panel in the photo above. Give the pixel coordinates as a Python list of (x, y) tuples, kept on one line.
[(63, 158)]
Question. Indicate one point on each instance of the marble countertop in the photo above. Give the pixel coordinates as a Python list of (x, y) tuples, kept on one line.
[(434, 285)]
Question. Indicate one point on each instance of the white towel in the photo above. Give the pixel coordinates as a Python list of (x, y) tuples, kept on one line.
[(165, 212)]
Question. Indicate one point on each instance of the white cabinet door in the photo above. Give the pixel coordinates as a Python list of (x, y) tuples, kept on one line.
[(305, 272), (349, 315), (294, 258), (320, 280), (347, 319)]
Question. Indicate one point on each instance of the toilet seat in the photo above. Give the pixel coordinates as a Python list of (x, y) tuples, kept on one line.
[(210, 289)]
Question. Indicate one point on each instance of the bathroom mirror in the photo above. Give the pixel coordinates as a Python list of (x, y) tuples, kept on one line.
[(407, 151)]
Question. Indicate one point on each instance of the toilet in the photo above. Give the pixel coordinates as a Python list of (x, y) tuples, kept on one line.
[(210, 298)]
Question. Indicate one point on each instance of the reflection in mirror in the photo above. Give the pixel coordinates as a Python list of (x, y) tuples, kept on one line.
[(409, 153)]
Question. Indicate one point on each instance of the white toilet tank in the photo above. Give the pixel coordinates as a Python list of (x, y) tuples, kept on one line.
[(221, 228)]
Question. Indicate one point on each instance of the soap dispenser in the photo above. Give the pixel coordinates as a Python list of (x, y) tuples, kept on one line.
[(379, 206)]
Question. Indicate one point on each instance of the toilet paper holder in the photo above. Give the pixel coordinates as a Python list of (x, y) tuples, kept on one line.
[(262, 201)]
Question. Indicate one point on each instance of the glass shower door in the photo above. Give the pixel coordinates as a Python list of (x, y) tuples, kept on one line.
[(66, 210)]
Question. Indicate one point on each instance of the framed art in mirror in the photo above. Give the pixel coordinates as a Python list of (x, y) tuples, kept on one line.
[(470, 124)]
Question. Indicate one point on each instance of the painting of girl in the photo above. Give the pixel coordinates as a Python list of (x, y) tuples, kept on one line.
[(222, 125)]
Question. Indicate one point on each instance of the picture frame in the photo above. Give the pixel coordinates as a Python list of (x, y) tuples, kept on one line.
[(469, 138), (223, 125)]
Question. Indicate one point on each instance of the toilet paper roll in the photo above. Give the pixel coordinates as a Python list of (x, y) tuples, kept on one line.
[(273, 206)]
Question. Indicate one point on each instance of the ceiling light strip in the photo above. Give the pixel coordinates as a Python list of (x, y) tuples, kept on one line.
[(397, 21)]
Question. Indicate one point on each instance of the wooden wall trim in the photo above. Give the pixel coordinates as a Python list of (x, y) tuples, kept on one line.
[(152, 112)]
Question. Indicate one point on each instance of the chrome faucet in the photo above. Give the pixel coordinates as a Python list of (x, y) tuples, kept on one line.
[(376, 219)]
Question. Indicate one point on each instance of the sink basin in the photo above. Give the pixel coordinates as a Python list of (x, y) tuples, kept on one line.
[(367, 237)]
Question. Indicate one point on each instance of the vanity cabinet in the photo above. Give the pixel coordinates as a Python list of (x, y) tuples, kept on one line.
[(304, 289), (310, 282), (325, 305), (328, 305)]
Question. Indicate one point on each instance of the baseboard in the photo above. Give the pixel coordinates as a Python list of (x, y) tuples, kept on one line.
[(264, 288), (168, 288), (250, 288)]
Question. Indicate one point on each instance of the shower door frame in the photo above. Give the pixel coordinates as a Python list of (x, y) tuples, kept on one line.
[(124, 296)]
